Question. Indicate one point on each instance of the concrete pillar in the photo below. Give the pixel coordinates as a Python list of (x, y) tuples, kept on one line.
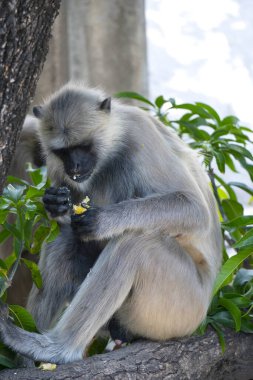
[(102, 43)]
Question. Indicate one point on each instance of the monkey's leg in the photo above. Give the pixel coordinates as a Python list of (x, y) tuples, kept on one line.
[(64, 264), (119, 332), (100, 295)]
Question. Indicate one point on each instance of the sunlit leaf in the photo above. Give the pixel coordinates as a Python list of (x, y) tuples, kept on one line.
[(22, 318), (229, 267)]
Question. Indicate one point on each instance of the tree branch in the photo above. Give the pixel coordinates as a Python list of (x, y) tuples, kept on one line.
[(196, 358)]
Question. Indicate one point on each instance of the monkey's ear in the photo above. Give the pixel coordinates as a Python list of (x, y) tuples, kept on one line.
[(38, 111), (105, 105)]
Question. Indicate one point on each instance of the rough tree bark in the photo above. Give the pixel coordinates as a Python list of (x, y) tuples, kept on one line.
[(25, 29), (194, 358)]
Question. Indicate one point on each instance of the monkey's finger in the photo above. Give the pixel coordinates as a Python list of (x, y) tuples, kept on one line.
[(77, 218), (55, 199), (63, 190), (90, 214), (51, 190), (57, 210), (58, 191)]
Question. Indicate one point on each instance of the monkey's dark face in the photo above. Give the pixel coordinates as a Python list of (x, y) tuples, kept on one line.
[(74, 132), (79, 161)]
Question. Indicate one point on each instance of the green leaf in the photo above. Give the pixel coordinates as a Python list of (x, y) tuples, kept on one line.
[(233, 310), (6, 362), (194, 131), (232, 208), (239, 300), (40, 235), (220, 160), (211, 111), (241, 221), (229, 267), (247, 325), (242, 186), (34, 192), (4, 284), (16, 180), (22, 318), (4, 234), (242, 277), (3, 216), (228, 189), (3, 265), (246, 241), (230, 120), (13, 230), (38, 176), (35, 272), (159, 102), (14, 193), (133, 95), (229, 162), (5, 203), (220, 335), (194, 109), (233, 148), (220, 132), (54, 231), (97, 346)]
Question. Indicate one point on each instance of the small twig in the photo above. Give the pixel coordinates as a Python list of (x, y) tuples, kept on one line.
[(215, 191), (16, 264), (8, 281)]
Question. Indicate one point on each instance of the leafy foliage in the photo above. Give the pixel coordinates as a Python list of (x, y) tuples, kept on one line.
[(24, 219), (223, 145)]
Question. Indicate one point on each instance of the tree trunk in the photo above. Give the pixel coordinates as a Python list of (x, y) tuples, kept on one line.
[(100, 43), (25, 29), (194, 358)]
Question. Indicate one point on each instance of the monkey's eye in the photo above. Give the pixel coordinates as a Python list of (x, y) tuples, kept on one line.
[(61, 153)]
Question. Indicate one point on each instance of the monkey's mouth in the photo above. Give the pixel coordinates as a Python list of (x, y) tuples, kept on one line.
[(79, 178)]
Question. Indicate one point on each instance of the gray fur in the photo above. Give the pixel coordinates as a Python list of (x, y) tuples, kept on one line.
[(156, 223)]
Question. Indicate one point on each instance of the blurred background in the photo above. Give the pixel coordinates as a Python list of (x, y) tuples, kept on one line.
[(189, 50)]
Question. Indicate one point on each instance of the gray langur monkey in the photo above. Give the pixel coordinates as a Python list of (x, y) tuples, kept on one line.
[(152, 235)]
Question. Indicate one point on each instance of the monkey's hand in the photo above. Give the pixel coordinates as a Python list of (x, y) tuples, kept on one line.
[(86, 225), (57, 201)]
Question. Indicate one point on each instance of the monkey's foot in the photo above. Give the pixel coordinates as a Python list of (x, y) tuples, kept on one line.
[(38, 347)]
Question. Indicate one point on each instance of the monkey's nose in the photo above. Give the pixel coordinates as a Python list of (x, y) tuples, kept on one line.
[(75, 169)]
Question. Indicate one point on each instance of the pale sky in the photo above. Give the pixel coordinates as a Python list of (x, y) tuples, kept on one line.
[(201, 50)]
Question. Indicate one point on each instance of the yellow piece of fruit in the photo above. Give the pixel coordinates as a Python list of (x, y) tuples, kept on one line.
[(47, 366), (78, 209)]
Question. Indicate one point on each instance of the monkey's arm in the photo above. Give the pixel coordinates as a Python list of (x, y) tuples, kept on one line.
[(176, 213)]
